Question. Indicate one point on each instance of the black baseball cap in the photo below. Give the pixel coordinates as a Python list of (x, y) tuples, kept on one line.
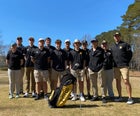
[(19, 38), (84, 42), (94, 40), (58, 41)]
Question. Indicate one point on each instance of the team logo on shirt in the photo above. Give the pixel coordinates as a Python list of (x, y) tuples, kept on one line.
[(120, 47), (28, 49), (80, 52)]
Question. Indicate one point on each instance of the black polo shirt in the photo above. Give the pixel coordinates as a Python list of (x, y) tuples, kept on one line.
[(122, 54), (96, 59), (58, 58), (22, 50), (108, 60), (41, 58), (87, 56), (77, 59), (51, 49), (28, 52), (68, 54), (14, 60)]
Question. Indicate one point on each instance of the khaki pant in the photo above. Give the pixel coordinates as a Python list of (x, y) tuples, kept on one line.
[(102, 82), (29, 71), (21, 79), (41, 75), (14, 77), (108, 74), (78, 74), (57, 75)]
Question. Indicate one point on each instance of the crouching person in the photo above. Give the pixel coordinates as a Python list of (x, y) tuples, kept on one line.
[(40, 57), (14, 60)]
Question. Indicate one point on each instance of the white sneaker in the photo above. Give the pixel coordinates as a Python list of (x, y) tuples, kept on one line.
[(71, 95), (130, 101), (17, 96), (11, 96), (74, 98), (26, 95), (33, 94), (82, 98)]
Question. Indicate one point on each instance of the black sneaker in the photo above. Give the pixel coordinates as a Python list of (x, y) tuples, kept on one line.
[(89, 96), (37, 97), (94, 98), (42, 94), (104, 100)]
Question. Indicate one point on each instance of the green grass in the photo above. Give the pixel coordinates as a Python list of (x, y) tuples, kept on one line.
[(29, 107)]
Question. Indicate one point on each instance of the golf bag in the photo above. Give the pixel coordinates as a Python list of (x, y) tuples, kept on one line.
[(60, 95)]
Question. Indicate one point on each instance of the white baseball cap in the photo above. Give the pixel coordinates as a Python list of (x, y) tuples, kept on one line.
[(40, 39), (67, 40)]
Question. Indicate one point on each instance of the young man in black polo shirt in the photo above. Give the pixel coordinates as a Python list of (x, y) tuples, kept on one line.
[(77, 64), (96, 59), (29, 68), (108, 68), (86, 50), (21, 48), (51, 49), (122, 55), (58, 63), (14, 60), (40, 57), (67, 49)]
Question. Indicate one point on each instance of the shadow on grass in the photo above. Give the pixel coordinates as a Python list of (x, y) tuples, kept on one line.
[(80, 106)]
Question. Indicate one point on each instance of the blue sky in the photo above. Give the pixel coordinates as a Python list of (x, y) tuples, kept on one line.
[(58, 19)]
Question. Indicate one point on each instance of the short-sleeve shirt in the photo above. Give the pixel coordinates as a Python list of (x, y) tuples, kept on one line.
[(41, 58), (14, 59), (77, 59), (51, 49), (58, 58), (22, 50), (68, 54), (28, 52)]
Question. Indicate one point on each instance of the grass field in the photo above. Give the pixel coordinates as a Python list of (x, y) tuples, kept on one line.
[(29, 107)]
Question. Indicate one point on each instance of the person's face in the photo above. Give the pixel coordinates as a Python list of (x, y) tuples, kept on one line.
[(13, 48), (94, 44), (117, 38), (58, 45), (104, 46), (67, 44), (31, 41), (84, 45), (41, 43), (48, 42), (77, 45), (19, 42)]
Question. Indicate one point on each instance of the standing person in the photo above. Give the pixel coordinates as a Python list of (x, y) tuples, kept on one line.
[(67, 49), (29, 68), (96, 59), (108, 69), (51, 49), (21, 48), (40, 57), (14, 60), (58, 63), (86, 50), (77, 64), (122, 55)]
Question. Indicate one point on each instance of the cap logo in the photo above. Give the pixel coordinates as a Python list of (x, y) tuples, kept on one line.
[(120, 47)]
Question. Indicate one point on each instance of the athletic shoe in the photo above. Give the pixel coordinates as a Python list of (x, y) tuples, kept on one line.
[(119, 99), (46, 97), (94, 98), (89, 96), (33, 94), (130, 101), (37, 97), (74, 98), (82, 98), (71, 95), (17, 96), (11, 96), (26, 95), (104, 100)]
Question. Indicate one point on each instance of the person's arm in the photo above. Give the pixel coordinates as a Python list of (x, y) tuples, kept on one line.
[(7, 62), (21, 62)]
